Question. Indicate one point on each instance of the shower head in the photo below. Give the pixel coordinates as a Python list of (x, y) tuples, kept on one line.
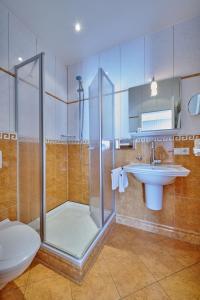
[(79, 79)]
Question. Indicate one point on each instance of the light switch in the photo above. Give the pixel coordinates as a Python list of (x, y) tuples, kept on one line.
[(1, 160), (181, 151)]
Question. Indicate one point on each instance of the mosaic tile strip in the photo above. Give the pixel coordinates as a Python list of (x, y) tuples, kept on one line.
[(8, 136), (166, 138), (48, 141), (24, 139)]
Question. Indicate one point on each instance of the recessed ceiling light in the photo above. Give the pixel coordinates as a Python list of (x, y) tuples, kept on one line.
[(77, 27), (20, 59)]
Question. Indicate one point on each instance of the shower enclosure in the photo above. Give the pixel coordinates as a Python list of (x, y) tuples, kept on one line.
[(64, 186)]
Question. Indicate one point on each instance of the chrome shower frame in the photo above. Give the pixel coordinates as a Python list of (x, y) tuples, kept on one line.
[(78, 262), (40, 59)]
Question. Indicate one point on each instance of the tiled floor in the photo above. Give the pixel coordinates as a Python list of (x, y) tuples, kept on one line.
[(132, 265)]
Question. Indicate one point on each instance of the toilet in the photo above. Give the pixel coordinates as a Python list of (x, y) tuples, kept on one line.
[(19, 244)]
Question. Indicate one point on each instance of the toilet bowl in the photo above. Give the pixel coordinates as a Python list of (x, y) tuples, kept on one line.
[(19, 244)]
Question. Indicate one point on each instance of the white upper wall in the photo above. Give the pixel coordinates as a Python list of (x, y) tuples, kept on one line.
[(106, 23), (16, 40), (174, 51)]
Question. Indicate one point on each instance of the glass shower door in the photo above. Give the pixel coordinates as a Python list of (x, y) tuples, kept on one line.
[(29, 128), (107, 147), (101, 137), (94, 153)]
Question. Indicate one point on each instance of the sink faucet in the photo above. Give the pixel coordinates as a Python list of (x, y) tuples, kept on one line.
[(153, 160)]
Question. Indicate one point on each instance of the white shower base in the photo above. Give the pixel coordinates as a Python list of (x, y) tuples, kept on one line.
[(69, 227)]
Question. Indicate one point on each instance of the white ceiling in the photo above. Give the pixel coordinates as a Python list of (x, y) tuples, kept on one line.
[(105, 22)]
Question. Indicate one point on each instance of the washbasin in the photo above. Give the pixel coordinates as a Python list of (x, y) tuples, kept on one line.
[(155, 177)]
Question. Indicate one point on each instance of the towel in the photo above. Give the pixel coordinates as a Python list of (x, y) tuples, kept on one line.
[(119, 179), (123, 181), (115, 178)]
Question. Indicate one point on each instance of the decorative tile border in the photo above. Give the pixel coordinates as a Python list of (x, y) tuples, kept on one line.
[(24, 139), (176, 233), (8, 136), (48, 141), (13, 136), (166, 138)]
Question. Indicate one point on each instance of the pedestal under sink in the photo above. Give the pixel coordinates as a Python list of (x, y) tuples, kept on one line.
[(155, 177)]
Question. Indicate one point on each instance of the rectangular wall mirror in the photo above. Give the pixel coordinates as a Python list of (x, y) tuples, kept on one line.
[(155, 110)]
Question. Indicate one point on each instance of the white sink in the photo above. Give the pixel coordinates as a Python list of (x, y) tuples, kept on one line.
[(154, 177)]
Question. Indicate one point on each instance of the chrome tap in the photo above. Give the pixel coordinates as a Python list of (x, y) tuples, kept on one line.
[(153, 160)]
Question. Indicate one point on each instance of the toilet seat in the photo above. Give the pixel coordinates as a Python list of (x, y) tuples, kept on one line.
[(17, 243)]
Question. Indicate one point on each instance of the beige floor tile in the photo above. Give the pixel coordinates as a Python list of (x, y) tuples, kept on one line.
[(53, 288), (12, 293), (130, 232), (20, 281), (97, 284), (128, 266), (126, 238), (159, 261), (38, 272), (153, 292), (149, 236), (184, 285), (186, 253), (128, 272)]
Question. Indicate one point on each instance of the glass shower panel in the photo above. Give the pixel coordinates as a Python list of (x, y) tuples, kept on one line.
[(94, 152), (107, 144), (101, 131), (29, 186)]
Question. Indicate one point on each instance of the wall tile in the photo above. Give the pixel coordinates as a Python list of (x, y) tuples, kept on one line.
[(73, 71), (180, 199), (159, 55), (3, 36), (117, 114), (29, 181), (86, 129), (49, 68), (132, 63), (110, 62), (4, 102), (73, 120), (61, 80), (121, 115), (8, 182), (189, 124), (78, 173), (56, 175), (50, 118), (22, 42), (60, 119), (187, 213), (28, 108), (124, 120), (12, 103), (187, 47), (90, 69)]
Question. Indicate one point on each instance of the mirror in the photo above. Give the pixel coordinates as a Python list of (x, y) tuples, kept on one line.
[(194, 105), (155, 106)]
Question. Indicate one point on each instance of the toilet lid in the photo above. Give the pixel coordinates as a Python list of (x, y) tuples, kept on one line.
[(17, 243)]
